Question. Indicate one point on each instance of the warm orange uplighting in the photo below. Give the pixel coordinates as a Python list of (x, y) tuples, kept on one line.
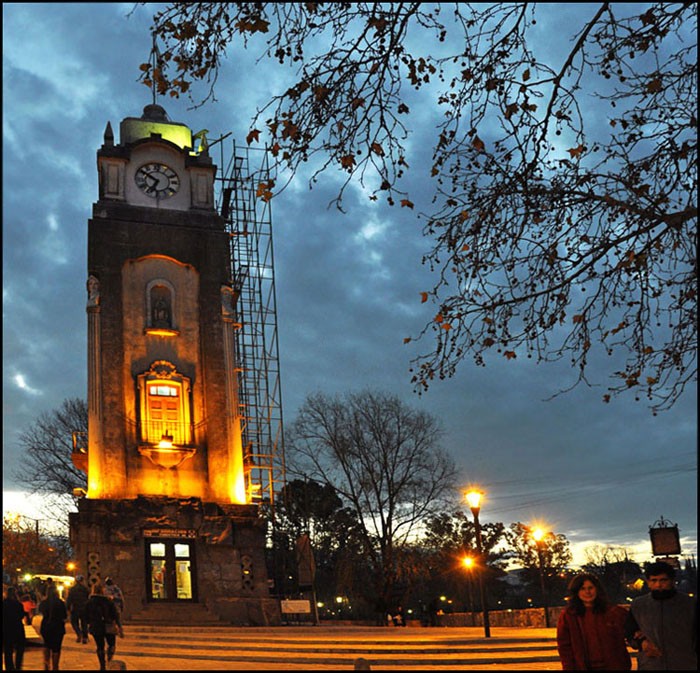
[(165, 454), (161, 331), (473, 498), (166, 442)]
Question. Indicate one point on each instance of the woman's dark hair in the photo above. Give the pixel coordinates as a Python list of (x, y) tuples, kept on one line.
[(600, 604), (52, 593), (52, 599)]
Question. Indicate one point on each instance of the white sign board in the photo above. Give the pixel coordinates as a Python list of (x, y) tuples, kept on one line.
[(295, 607)]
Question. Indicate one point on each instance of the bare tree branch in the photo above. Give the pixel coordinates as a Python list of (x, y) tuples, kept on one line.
[(564, 176)]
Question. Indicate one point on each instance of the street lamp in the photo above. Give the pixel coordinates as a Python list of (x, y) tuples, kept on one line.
[(538, 535), (468, 563), (474, 501)]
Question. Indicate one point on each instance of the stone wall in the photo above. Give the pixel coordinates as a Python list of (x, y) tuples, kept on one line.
[(528, 617), (229, 541)]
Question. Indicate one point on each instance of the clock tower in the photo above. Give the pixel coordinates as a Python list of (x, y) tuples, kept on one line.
[(166, 512)]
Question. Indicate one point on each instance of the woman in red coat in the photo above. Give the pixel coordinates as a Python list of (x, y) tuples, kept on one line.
[(590, 632)]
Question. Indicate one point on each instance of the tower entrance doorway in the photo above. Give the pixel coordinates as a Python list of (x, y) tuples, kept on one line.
[(170, 570)]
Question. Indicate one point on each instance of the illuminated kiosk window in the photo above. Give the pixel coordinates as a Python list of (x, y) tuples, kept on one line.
[(170, 567), (183, 574), (165, 429), (160, 308)]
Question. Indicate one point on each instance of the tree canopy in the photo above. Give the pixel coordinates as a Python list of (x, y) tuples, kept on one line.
[(564, 169), (27, 550), (551, 554), (307, 507)]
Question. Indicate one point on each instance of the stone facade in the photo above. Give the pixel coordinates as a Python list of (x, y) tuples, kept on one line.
[(229, 573), (167, 513)]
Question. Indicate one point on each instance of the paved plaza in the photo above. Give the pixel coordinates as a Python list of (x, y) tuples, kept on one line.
[(325, 647)]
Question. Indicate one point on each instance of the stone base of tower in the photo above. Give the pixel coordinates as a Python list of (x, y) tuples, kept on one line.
[(173, 553)]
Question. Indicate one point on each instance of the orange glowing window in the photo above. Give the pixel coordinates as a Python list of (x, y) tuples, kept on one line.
[(164, 413), (164, 405)]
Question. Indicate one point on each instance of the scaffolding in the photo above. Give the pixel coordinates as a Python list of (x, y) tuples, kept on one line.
[(243, 202)]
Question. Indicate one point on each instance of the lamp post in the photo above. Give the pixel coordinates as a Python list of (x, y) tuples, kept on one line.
[(474, 501), (468, 563), (538, 535)]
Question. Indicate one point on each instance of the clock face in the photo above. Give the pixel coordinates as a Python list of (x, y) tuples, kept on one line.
[(157, 180)]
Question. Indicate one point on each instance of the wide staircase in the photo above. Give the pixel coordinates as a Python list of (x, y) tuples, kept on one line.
[(211, 647)]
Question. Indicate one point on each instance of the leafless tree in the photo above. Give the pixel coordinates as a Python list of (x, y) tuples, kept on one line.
[(564, 164), (599, 556), (383, 459), (47, 467)]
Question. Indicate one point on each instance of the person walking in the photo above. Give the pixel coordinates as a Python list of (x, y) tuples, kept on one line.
[(53, 626), (663, 624), (27, 598), (591, 631), (13, 636), (76, 602), (104, 622), (115, 593)]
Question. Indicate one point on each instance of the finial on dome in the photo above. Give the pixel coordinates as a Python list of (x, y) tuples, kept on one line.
[(155, 113)]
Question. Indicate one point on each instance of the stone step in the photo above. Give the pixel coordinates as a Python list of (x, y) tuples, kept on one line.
[(310, 647), (264, 644)]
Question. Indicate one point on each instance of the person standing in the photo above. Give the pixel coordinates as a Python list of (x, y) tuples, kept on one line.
[(53, 626), (13, 636), (591, 631), (399, 617), (76, 601), (104, 623), (663, 624)]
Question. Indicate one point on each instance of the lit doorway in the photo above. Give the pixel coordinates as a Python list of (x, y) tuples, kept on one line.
[(170, 570)]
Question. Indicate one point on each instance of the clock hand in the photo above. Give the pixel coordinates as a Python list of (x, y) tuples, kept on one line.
[(152, 183)]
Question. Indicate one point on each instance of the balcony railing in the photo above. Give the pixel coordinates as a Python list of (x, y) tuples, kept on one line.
[(152, 432)]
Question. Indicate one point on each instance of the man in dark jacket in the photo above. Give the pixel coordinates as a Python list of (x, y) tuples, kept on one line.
[(76, 601), (13, 637), (662, 624)]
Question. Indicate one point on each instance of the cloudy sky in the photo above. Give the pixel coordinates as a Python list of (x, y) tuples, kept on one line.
[(348, 292)]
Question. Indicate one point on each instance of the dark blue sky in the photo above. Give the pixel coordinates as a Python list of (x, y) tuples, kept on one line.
[(348, 292)]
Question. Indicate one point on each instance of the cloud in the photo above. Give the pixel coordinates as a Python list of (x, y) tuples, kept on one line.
[(20, 382), (348, 288)]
